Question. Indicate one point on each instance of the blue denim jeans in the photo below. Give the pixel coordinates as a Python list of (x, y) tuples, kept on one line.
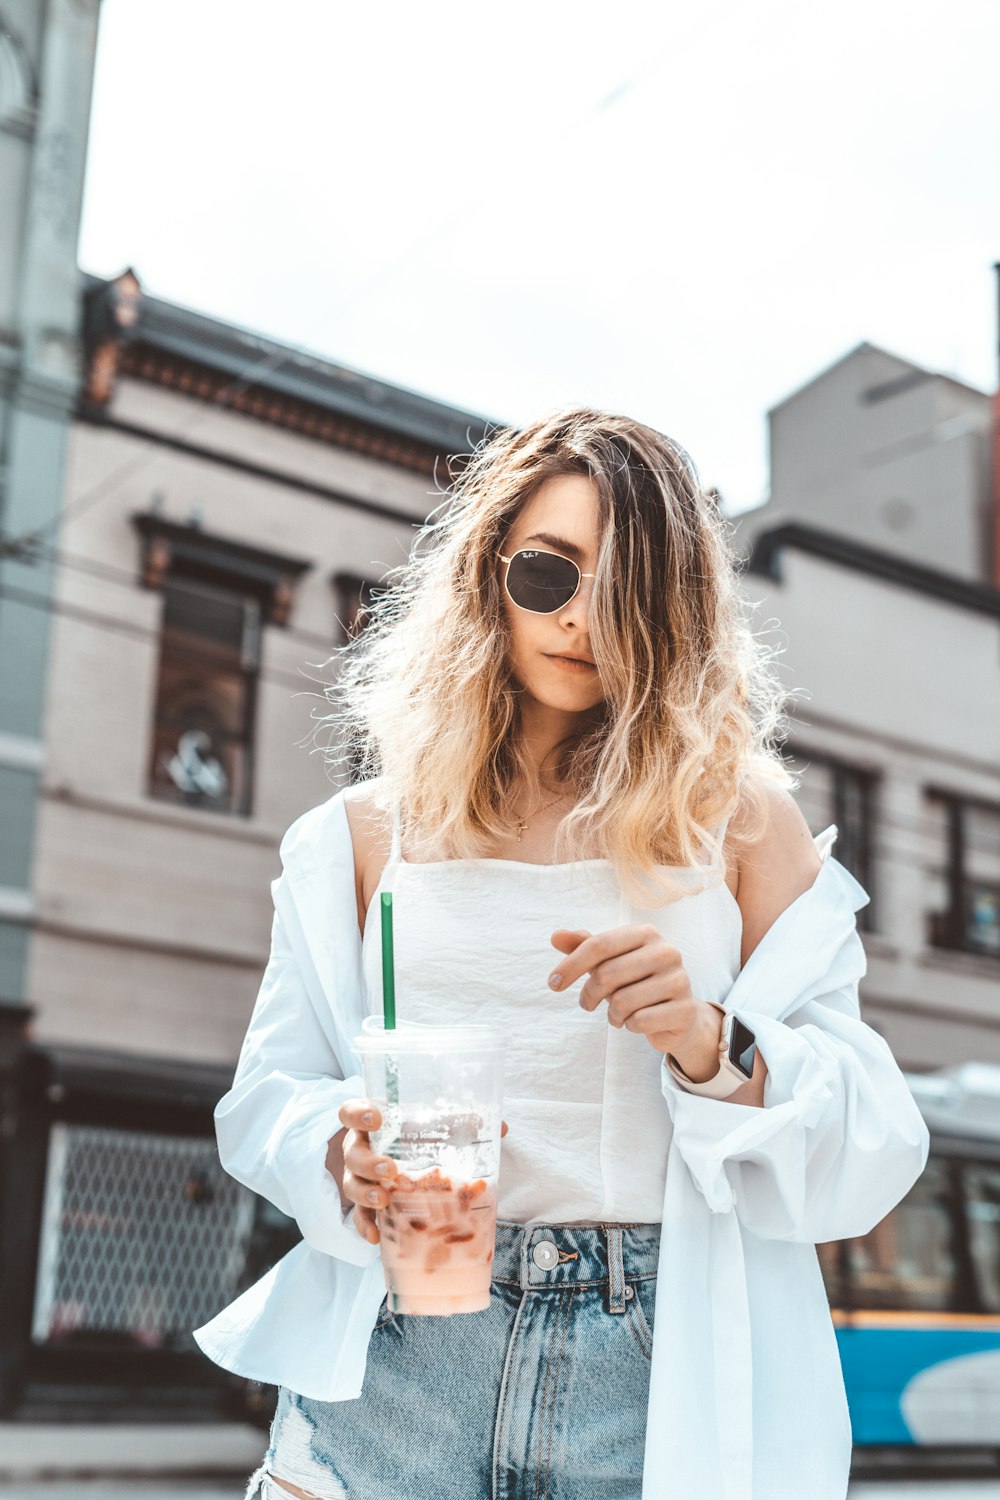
[(540, 1397)]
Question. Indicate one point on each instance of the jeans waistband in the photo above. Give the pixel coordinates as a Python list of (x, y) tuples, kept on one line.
[(540, 1256)]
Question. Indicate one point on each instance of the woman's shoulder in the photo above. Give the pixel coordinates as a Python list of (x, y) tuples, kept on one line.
[(776, 859)]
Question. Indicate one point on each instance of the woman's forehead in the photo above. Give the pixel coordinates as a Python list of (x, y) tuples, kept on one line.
[(564, 507)]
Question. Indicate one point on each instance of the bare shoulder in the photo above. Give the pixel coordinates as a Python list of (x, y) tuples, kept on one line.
[(371, 842), (774, 868)]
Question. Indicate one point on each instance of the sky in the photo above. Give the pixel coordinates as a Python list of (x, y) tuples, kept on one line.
[(683, 212)]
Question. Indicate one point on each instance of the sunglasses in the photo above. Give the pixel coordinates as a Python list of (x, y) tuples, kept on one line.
[(541, 582)]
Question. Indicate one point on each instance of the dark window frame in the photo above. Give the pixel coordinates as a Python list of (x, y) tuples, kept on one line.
[(955, 1156), (246, 664), (173, 550), (353, 594), (948, 929)]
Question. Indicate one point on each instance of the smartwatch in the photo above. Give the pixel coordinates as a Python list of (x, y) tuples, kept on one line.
[(737, 1053)]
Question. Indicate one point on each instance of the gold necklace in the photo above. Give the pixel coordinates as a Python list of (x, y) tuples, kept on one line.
[(522, 825)]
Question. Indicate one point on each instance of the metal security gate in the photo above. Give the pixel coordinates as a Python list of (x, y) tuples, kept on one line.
[(143, 1235), (119, 1234)]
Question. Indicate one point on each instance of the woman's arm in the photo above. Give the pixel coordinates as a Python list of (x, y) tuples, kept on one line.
[(840, 1140), (278, 1127), (773, 874)]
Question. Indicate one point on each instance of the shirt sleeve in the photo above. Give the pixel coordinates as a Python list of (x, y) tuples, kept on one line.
[(274, 1124), (840, 1139)]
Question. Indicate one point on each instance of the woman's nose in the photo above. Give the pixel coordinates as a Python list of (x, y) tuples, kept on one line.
[(579, 605)]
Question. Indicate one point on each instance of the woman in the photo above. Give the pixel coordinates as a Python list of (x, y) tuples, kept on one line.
[(691, 1098)]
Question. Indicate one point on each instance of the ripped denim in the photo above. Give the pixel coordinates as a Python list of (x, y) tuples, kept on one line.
[(542, 1396)]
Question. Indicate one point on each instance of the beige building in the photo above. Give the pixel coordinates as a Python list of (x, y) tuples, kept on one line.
[(229, 504), (235, 496), (874, 557)]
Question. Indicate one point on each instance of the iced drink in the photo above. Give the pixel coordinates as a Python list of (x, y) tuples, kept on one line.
[(437, 1244), (439, 1092)]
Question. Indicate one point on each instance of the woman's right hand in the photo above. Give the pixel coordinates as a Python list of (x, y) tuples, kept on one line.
[(365, 1174)]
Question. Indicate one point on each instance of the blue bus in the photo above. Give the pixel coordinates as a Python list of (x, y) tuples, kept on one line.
[(916, 1303)]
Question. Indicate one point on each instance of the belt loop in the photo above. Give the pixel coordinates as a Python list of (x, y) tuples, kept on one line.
[(524, 1246), (616, 1270)]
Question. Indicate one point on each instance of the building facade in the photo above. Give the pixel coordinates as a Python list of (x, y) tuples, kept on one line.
[(875, 555), (230, 502)]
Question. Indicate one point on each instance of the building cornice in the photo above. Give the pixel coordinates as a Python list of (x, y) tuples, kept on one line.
[(130, 334), (768, 547)]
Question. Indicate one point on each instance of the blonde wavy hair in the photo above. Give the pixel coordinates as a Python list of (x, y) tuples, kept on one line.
[(427, 711)]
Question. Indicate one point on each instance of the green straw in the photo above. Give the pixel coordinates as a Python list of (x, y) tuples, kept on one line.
[(388, 968), (389, 1003)]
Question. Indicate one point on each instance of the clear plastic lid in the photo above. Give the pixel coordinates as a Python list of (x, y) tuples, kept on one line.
[(420, 1036)]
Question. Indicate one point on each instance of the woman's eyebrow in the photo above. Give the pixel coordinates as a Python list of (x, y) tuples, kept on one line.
[(570, 548)]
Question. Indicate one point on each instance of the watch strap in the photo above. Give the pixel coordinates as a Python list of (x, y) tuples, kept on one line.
[(725, 1082)]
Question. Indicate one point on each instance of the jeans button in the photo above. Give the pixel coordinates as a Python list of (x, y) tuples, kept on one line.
[(545, 1255)]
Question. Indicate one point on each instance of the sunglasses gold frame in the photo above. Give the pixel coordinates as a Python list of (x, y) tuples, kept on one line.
[(548, 553)]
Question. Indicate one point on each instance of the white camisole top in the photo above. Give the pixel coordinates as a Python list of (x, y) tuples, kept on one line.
[(588, 1124)]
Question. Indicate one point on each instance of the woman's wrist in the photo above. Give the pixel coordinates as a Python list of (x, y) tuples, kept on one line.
[(698, 1054)]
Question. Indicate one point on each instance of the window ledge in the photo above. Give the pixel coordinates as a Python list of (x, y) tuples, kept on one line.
[(171, 547), (157, 810), (955, 961)]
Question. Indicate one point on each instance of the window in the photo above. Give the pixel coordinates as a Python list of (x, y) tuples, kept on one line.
[(963, 873), (218, 594), (353, 598), (834, 792), (982, 1210), (911, 1259), (937, 1251), (202, 750)]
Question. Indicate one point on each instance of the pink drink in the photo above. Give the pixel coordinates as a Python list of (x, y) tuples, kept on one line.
[(439, 1091), (437, 1244)]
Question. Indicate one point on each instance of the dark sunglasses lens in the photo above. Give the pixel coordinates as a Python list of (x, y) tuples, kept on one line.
[(541, 581)]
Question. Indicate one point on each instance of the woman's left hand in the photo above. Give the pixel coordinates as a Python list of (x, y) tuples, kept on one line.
[(647, 989)]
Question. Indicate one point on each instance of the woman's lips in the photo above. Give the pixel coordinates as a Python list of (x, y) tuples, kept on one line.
[(572, 664)]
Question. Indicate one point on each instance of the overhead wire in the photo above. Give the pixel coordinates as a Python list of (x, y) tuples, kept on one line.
[(129, 629), (111, 573), (253, 371), (922, 831)]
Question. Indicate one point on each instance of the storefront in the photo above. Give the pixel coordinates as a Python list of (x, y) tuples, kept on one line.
[(120, 1232)]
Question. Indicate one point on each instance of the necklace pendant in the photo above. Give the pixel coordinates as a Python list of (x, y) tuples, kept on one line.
[(520, 829)]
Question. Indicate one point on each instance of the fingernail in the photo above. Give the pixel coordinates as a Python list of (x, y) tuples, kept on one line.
[(382, 1168), (373, 1195), (555, 981), (368, 1118)]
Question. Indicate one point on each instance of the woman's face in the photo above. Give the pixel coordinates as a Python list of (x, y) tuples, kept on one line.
[(561, 516)]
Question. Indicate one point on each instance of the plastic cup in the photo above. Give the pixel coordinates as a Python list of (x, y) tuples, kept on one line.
[(439, 1090)]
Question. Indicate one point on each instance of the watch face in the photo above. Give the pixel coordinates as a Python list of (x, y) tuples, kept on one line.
[(742, 1048)]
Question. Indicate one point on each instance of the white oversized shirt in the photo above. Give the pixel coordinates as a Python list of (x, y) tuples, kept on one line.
[(746, 1397)]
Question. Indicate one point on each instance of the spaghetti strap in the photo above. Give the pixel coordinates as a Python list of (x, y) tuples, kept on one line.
[(719, 832), (394, 851)]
